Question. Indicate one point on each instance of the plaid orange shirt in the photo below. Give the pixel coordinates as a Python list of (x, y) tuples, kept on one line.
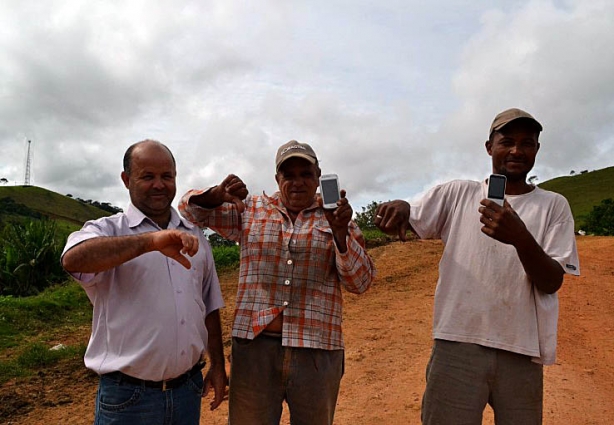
[(291, 268)]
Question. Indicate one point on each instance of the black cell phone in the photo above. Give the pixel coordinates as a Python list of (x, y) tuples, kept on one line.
[(329, 188), (496, 188)]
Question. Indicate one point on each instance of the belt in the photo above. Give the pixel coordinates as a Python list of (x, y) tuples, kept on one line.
[(268, 334), (167, 384)]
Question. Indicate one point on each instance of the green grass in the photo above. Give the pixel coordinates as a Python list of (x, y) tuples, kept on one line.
[(25, 318), (69, 213), (27, 325), (583, 191)]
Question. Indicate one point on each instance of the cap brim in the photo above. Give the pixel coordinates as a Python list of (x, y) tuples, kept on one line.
[(296, 155)]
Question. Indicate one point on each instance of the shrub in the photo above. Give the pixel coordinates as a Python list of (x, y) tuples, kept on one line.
[(29, 258), (366, 219), (600, 221), (226, 256)]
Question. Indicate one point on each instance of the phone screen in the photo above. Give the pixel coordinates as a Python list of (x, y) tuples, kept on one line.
[(330, 191), (496, 187)]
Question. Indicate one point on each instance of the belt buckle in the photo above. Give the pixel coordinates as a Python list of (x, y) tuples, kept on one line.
[(163, 385)]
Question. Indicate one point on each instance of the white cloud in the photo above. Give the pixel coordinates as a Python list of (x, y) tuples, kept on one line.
[(394, 96)]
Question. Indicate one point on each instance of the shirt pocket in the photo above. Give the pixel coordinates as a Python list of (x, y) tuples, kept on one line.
[(321, 249)]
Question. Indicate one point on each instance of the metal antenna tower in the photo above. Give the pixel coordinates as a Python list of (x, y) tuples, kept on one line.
[(26, 180)]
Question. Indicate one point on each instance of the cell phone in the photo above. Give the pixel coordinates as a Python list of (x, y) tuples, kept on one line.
[(496, 188), (329, 188)]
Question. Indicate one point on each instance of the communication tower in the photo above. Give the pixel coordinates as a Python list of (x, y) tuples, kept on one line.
[(26, 180)]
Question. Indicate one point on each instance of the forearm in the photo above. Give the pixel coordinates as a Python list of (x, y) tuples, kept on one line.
[(207, 199), (103, 253), (222, 218), (355, 267), (543, 271), (215, 342), (341, 240)]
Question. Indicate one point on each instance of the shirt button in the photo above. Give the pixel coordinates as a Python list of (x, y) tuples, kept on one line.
[(182, 321), (287, 282), (290, 262), (182, 353), (286, 303)]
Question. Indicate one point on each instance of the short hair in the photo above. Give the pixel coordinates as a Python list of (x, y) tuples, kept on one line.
[(128, 154)]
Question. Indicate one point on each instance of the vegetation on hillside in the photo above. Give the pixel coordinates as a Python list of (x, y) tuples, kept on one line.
[(584, 191), (29, 258), (69, 213), (600, 221)]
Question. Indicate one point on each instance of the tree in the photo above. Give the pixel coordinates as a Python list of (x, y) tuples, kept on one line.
[(366, 218), (533, 179), (600, 221), (216, 240), (3, 180)]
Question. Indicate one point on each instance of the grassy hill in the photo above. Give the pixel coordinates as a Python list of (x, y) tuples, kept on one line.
[(68, 213), (583, 191)]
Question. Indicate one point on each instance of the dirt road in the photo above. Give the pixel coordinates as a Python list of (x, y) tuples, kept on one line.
[(387, 332)]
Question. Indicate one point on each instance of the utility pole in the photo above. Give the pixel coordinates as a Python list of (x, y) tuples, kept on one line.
[(26, 180)]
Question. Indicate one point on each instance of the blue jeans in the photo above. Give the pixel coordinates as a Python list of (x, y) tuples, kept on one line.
[(122, 403), (263, 374), (461, 378)]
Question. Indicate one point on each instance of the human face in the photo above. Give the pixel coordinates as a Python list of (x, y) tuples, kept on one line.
[(297, 180), (513, 150), (151, 182)]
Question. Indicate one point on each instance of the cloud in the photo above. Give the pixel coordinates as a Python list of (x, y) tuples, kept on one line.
[(395, 96)]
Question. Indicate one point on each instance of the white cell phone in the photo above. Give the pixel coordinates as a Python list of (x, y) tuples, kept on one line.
[(329, 189), (496, 188)]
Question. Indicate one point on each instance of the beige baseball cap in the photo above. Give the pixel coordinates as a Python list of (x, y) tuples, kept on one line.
[(294, 149), (504, 118)]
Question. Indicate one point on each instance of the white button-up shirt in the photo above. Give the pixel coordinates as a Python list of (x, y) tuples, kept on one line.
[(149, 313)]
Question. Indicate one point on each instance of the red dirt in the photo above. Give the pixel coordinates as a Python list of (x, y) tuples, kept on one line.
[(388, 341)]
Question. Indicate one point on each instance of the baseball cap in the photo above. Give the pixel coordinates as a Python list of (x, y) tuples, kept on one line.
[(294, 149), (504, 118)]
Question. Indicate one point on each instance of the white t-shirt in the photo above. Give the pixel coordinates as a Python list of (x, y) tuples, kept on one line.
[(483, 295)]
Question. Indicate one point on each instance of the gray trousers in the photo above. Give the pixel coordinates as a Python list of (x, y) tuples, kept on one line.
[(461, 378), (263, 374)]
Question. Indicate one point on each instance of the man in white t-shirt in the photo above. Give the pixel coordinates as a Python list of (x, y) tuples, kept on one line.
[(496, 306)]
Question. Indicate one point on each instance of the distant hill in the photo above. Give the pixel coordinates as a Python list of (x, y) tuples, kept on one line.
[(583, 190), (68, 212)]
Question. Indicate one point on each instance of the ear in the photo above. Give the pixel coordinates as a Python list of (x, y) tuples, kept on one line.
[(488, 145), (125, 179), (538, 146)]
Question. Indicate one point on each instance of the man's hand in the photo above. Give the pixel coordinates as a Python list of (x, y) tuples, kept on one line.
[(216, 378), (232, 189), (175, 244), (338, 219), (392, 218), (502, 223)]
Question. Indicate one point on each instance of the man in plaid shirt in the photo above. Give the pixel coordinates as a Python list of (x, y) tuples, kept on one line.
[(295, 257)]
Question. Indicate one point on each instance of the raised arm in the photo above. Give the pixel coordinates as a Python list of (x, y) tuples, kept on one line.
[(232, 189), (105, 252)]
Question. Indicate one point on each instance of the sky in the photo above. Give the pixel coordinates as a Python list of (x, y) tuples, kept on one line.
[(394, 96)]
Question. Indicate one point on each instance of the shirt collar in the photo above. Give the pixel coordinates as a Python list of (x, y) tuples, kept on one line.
[(136, 218)]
